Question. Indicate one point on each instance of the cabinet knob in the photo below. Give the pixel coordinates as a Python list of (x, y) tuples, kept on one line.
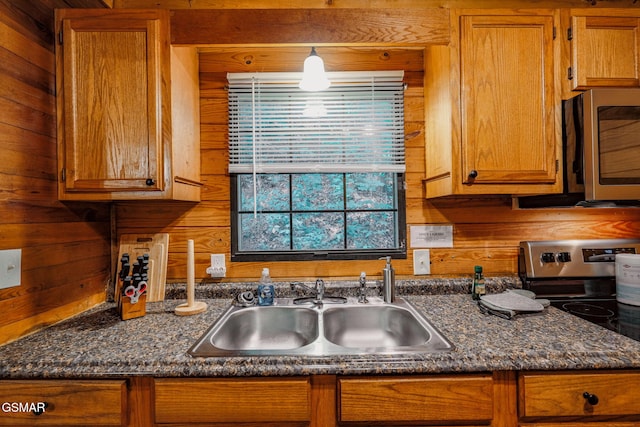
[(40, 408), (591, 398), (473, 174), (150, 182)]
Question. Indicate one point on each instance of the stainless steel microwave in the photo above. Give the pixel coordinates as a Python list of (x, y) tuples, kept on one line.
[(601, 133)]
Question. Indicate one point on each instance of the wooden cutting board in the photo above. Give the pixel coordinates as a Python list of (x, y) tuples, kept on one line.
[(157, 246)]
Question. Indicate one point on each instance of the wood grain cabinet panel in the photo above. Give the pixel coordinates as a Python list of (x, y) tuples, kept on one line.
[(588, 395), (226, 400), (63, 402), (463, 398), (128, 108), (605, 48), (499, 133)]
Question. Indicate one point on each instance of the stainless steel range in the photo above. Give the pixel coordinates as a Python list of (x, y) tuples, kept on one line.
[(578, 276)]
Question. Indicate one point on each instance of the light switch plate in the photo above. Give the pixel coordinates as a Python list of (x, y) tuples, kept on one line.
[(421, 262), (10, 268)]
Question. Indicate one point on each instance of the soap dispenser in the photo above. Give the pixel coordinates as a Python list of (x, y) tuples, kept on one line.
[(388, 282), (266, 292)]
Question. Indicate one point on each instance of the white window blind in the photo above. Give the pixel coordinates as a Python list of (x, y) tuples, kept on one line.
[(357, 125)]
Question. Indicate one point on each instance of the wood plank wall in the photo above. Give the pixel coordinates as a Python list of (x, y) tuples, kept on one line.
[(355, 4), (65, 248), (487, 230)]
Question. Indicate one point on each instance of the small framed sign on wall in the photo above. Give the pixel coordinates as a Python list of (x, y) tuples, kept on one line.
[(431, 236)]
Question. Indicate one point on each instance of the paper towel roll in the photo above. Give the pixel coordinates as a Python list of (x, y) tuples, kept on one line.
[(629, 320), (628, 278)]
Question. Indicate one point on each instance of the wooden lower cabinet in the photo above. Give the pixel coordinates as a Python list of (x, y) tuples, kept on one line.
[(63, 403), (465, 398), (585, 398), (499, 399), (225, 401), (461, 400), (330, 401)]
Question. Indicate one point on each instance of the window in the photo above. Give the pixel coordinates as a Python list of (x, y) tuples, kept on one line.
[(317, 175)]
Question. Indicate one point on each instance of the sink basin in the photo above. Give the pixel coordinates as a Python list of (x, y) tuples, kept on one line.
[(288, 328), (264, 328), (375, 326)]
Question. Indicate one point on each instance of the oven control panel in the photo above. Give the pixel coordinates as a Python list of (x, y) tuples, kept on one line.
[(606, 254), (572, 258)]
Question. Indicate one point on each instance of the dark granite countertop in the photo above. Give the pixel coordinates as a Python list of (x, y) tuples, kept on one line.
[(98, 344)]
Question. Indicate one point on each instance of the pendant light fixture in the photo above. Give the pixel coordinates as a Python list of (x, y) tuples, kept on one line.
[(314, 78)]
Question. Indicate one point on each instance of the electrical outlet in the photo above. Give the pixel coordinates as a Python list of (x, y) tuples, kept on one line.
[(218, 267), (421, 262), (10, 268)]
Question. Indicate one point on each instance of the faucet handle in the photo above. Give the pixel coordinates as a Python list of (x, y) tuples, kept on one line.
[(362, 294), (319, 290), (363, 279)]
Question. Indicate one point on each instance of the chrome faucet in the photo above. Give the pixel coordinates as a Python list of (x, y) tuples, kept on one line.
[(317, 294), (362, 293)]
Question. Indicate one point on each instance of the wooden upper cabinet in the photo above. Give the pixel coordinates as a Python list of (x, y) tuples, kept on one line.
[(605, 48), (492, 106), (128, 108)]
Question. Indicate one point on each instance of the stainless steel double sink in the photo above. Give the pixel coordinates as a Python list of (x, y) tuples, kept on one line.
[(321, 329)]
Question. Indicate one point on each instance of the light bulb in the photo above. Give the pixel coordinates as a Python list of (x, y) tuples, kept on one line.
[(314, 78)]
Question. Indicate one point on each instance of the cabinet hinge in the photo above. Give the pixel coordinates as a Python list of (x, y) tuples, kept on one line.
[(569, 34), (554, 33), (557, 166), (63, 175), (569, 73), (60, 37)]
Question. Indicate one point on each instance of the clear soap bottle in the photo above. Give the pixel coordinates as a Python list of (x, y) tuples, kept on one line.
[(478, 288), (266, 292)]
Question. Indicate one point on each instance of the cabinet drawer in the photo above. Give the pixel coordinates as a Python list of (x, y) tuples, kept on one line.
[(562, 394), (412, 399), (232, 400), (63, 402)]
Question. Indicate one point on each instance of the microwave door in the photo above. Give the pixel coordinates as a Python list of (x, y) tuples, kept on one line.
[(573, 145), (618, 149)]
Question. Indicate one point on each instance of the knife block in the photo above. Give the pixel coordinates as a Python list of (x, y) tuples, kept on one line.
[(157, 246), (128, 310)]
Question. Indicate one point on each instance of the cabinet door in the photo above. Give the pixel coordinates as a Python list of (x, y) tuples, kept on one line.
[(416, 399), (605, 50), (63, 402), (231, 400), (590, 395), (112, 135), (508, 100)]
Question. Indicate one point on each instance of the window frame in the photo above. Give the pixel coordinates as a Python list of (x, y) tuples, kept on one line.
[(315, 255)]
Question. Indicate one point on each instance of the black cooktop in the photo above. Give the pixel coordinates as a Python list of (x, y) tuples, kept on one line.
[(606, 312)]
